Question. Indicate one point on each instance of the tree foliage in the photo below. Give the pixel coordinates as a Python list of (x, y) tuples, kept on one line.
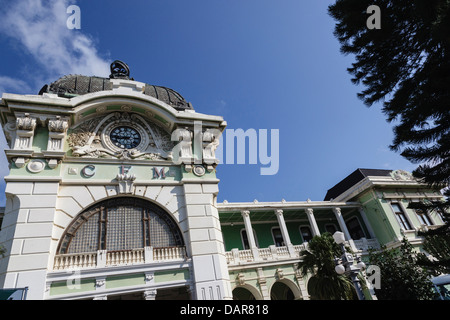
[(401, 277), (405, 65), (318, 261), (437, 244)]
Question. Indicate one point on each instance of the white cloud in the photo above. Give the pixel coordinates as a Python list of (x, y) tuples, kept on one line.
[(39, 26), (11, 85), (40, 30)]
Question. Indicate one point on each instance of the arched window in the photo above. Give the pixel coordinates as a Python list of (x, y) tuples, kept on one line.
[(120, 224)]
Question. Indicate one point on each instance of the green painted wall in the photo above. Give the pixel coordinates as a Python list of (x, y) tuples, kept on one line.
[(109, 172), (86, 285), (124, 281), (68, 287), (48, 172), (40, 139), (171, 275), (378, 217), (232, 237)]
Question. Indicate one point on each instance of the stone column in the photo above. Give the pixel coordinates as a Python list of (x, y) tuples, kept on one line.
[(366, 222), (250, 235), (284, 231), (342, 225), (312, 222)]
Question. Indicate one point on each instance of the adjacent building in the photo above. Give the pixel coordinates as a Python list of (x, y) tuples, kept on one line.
[(112, 194)]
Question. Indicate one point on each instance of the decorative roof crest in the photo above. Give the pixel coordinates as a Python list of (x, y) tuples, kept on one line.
[(120, 70)]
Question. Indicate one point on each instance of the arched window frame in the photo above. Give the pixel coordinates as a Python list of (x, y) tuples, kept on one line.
[(149, 211)]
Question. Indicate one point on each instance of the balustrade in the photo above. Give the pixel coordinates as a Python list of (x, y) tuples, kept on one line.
[(364, 244), (235, 256), (75, 261), (118, 258)]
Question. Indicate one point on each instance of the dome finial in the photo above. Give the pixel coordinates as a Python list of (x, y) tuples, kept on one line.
[(119, 70)]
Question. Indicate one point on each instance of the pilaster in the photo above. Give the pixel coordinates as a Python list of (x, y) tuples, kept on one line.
[(210, 272), (27, 235)]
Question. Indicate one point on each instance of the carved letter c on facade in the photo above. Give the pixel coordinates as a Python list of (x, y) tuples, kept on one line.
[(88, 171)]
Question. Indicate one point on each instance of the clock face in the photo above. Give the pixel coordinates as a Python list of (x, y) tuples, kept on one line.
[(125, 137)]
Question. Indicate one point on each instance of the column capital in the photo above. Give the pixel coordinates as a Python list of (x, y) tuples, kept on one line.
[(278, 212), (309, 210), (245, 213), (337, 210)]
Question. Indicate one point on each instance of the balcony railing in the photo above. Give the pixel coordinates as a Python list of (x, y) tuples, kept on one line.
[(364, 244), (273, 253), (236, 256), (103, 258)]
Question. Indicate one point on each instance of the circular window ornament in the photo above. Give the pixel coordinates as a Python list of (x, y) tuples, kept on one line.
[(125, 137)]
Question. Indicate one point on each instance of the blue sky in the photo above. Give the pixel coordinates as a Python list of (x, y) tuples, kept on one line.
[(261, 64)]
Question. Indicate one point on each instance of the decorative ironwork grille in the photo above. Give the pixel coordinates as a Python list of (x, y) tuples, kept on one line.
[(120, 224)]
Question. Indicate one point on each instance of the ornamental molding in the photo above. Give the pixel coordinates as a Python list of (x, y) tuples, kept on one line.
[(279, 274), (100, 283), (92, 138), (240, 279), (26, 123), (58, 124), (126, 182), (401, 175)]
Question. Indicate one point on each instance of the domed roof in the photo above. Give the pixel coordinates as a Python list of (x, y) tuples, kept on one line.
[(73, 85)]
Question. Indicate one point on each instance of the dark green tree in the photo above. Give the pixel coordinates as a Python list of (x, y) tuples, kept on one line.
[(401, 277), (318, 262), (405, 65), (437, 244)]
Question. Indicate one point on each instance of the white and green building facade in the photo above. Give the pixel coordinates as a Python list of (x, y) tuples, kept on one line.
[(112, 194)]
